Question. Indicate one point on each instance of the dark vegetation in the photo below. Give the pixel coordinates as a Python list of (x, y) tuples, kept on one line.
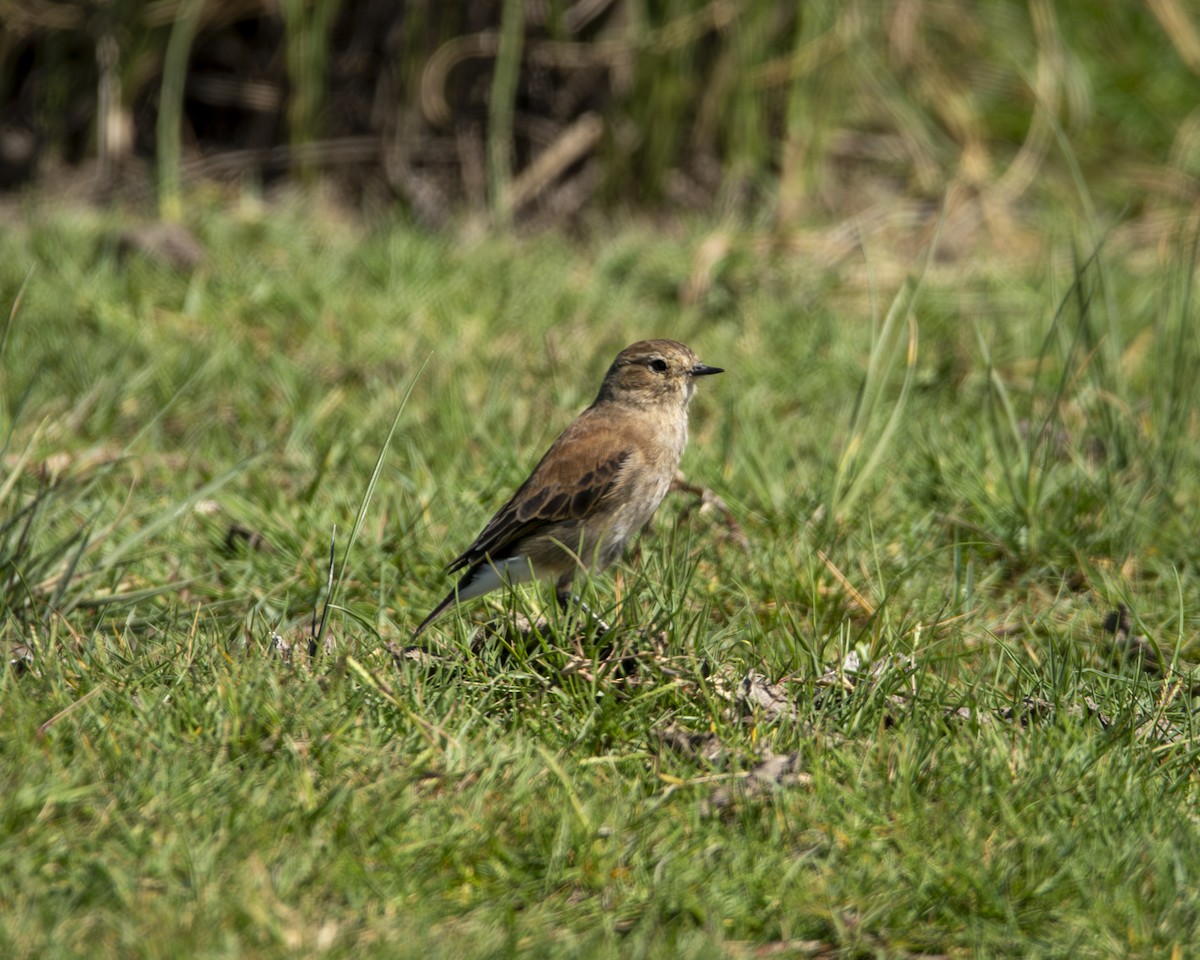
[(543, 110)]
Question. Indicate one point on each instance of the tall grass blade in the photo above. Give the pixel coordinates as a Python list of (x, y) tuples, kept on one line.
[(502, 107), (853, 473), (1177, 392), (363, 504), (308, 24), (169, 130), (15, 308)]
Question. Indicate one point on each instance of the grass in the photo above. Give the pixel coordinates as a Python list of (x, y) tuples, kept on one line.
[(177, 451)]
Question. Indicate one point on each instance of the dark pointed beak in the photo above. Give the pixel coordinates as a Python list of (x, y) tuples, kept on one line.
[(701, 370)]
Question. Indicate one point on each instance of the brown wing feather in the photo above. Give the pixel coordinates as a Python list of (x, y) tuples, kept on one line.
[(561, 487)]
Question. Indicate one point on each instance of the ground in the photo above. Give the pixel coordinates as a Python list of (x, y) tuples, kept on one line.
[(920, 685)]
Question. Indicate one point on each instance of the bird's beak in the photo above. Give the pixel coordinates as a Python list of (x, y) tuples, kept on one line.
[(700, 370)]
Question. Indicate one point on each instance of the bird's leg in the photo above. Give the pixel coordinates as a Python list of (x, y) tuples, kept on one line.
[(566, 597)]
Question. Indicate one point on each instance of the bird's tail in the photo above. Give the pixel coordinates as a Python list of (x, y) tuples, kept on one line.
[(441, 608)]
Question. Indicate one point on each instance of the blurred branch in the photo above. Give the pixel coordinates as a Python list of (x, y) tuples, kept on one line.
[(23, 17), (575, 142), (1179, 30)]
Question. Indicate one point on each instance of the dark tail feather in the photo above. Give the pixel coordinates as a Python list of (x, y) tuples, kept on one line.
[(437, 612), (468, 587)]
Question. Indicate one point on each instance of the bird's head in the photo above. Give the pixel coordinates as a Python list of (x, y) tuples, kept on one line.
[(654, 372)]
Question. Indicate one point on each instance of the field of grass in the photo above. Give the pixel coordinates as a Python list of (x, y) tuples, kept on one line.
[(951, 480)]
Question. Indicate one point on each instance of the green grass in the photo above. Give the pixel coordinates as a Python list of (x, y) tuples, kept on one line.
[(172, 785)]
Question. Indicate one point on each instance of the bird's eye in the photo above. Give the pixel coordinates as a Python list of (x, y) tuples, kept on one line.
[(658, 365)]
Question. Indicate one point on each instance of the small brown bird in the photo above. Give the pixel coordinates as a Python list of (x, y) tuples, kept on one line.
[(597, 485)]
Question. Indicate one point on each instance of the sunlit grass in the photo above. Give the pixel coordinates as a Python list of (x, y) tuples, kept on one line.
[(179, 449)]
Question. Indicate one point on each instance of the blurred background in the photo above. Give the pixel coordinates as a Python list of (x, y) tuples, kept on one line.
[(877, 115)]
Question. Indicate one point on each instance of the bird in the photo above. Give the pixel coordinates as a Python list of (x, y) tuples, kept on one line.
[(599, 483)]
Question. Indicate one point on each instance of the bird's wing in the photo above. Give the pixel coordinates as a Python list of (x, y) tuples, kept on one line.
[(571, 480)]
